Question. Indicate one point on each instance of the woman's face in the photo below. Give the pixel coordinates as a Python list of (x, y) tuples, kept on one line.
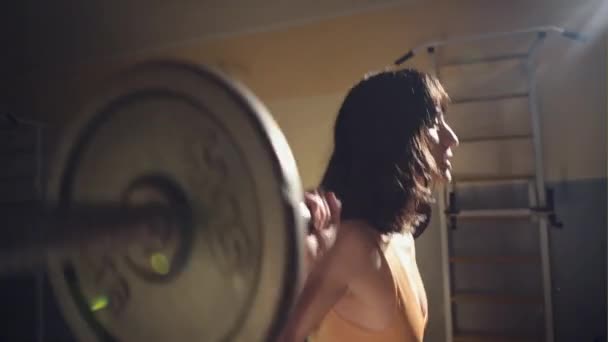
[(442, 138)]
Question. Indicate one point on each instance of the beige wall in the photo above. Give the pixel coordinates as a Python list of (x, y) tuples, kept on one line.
[(302, 72)]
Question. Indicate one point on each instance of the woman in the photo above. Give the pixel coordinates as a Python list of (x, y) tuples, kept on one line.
[(391, 144)]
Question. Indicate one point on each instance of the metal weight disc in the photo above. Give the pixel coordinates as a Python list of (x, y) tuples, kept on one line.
[(228, 269)]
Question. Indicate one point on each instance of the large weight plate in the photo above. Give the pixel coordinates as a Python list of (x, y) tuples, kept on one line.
[(231, 272)]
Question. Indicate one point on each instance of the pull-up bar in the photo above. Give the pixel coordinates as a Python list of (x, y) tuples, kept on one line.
[(541, 30)]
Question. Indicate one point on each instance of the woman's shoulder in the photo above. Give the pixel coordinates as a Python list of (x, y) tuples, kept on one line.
[(356, 241), (360, 233)]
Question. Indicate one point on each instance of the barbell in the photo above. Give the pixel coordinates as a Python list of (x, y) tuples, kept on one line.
[(173, 212)]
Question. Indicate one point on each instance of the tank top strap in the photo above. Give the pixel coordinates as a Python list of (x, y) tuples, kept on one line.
[(407, 300)]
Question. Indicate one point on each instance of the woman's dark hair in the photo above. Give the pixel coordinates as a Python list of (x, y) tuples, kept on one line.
[(381, 167)]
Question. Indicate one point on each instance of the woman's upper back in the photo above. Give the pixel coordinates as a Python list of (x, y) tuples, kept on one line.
[(384, 300)]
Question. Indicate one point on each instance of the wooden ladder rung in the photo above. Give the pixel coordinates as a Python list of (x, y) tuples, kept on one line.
[(495, 259), (492, 138), (515, 213), (486, 337), (493, 178), (496, 298), (489, 98)]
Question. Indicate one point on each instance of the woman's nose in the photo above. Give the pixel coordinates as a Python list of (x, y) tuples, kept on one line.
[(450, 137)]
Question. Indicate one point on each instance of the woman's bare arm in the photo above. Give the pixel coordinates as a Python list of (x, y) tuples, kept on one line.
[(328, 282)]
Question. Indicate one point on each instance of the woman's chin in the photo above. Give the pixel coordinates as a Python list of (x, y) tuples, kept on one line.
[(444, 176), (448, 175)]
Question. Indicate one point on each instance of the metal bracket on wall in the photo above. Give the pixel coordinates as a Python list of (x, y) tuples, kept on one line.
[(549, 209), (13, 121), (11, 118), (452, 210)]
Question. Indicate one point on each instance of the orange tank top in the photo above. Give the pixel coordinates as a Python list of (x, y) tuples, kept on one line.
[(406, 326)]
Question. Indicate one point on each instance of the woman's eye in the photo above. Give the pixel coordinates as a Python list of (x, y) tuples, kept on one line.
[(433, 132)]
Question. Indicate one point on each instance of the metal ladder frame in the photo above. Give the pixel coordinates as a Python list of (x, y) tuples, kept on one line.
[(539, 206)]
